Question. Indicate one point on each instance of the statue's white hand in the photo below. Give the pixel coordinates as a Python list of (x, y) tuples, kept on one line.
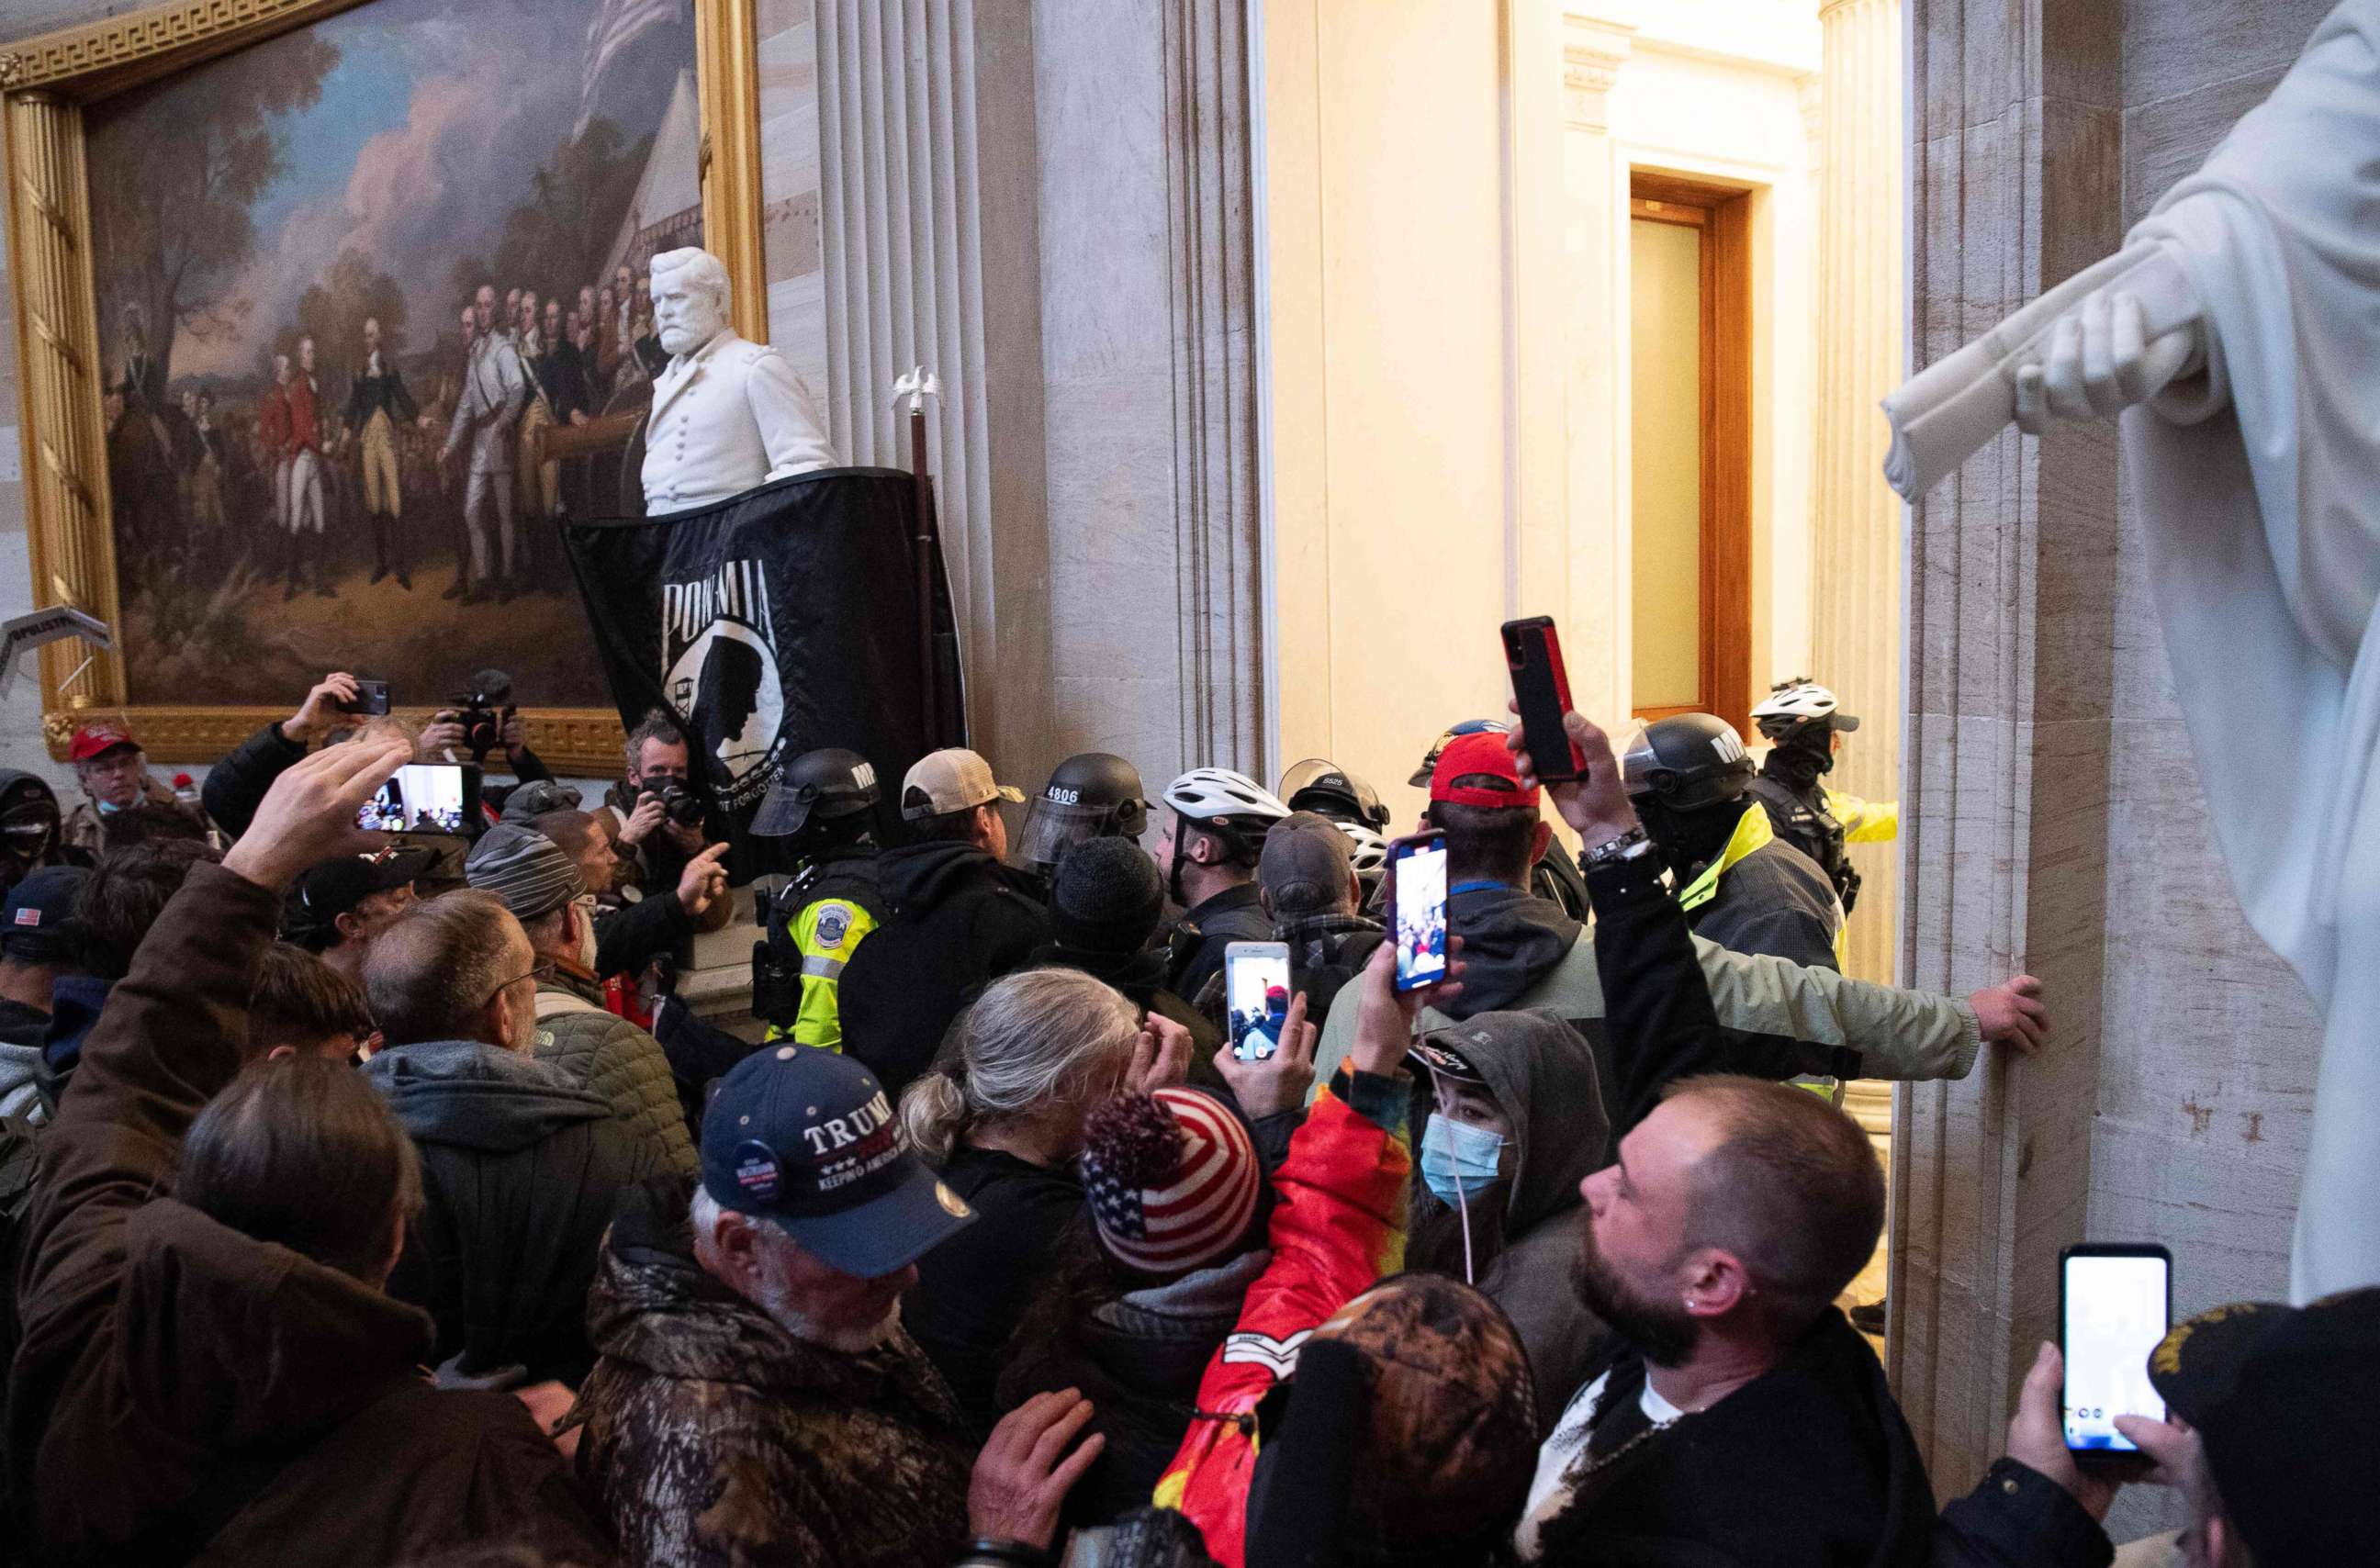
[(2100, 363)]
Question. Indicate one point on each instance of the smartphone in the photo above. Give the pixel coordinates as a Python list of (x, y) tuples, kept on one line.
[(1541, 688), (1417, 908), (1256, 996), (2114, 1302), (424, 798), (371, 698)]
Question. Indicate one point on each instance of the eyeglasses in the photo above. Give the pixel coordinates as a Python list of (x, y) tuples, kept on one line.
[(541, 973)]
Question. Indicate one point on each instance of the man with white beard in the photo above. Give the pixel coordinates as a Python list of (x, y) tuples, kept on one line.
[(756, 1398), (728, 414)]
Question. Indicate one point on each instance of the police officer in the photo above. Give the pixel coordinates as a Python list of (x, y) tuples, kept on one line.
[(1740, 885), (1803, 722), (824, 807), (1090, 794), (1321, 786), (1556, 876)]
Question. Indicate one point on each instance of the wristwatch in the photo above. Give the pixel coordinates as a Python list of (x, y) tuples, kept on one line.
[(1633, 845)]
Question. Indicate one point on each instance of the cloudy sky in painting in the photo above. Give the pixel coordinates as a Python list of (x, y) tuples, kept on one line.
[(425, 137)]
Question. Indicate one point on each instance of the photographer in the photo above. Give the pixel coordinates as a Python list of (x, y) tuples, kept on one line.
[(476, 723), (660, 816)]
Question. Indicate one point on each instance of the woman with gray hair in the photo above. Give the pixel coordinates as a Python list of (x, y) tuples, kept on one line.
[(1001, 1116)]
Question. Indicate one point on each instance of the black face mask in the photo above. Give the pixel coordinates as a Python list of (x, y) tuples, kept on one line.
[(1687, 841), (1803, 756)]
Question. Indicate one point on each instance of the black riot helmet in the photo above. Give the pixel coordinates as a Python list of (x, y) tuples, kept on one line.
[(1688, 762), (1321, 786), (1090, 794), (28, 824), (822, 786)]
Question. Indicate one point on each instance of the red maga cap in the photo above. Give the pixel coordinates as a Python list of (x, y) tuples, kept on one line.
[(98, 739), (1476, 757)]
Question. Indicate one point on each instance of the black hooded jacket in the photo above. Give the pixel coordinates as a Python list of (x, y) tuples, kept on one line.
[(1525, 1250), (958, 919), (520, 1174)]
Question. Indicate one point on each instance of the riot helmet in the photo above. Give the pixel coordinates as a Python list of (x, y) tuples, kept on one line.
[(818, 786), (1090, 794), (1688, 762), (1468, 726), (28, 824), (1321, 786)]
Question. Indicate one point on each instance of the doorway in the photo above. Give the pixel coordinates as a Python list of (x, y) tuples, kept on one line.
[(1690, 434)]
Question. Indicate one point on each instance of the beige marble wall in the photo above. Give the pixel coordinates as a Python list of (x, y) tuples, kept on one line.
[(2054, 818)]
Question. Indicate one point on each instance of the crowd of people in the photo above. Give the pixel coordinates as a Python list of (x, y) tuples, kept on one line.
[(373, 1198), (341, 459)]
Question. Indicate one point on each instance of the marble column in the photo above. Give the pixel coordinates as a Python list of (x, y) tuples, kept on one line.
[(930, 251), (1594, 623), (2016, 157), (1855, 520)]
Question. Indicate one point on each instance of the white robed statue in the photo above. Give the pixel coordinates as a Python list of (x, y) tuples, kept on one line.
[(2239, 333)]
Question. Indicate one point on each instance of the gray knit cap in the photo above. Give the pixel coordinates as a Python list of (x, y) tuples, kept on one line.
[(532, 874)]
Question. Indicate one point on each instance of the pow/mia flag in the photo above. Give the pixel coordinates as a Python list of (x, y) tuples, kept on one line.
[(769, 625)]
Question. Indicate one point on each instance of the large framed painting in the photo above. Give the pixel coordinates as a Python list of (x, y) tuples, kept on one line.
[(252, 243)]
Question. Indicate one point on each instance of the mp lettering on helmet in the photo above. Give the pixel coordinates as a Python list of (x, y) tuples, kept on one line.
[(863, 775), (1728, 747)]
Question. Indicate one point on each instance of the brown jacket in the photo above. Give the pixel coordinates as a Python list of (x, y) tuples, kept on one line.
[(81, 829), (716, 1439), (184, 1393)]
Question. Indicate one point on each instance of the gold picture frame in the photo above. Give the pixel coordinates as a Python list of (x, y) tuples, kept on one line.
[(46, 84)]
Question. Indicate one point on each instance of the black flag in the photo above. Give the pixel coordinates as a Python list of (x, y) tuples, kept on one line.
[(769, 625)]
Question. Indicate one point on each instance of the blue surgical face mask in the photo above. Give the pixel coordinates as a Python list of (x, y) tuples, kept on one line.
[(1459, 1161)]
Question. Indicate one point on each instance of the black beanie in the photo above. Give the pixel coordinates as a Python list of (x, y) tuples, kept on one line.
[(1106, 897)]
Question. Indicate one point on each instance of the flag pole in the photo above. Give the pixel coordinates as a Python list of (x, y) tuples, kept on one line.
[(925, 549)]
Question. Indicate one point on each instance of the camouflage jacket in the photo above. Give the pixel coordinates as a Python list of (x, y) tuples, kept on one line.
[(714, 1439)]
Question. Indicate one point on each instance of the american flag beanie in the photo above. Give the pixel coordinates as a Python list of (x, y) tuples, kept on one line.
[(1172, 1179)]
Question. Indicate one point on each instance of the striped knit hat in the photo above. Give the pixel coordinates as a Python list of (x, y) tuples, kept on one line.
[(1172, 1179)]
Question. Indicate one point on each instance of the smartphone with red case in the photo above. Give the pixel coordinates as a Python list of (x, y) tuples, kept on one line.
[(1541, 688)]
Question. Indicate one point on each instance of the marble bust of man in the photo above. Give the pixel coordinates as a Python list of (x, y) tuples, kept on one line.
[(728, 414)]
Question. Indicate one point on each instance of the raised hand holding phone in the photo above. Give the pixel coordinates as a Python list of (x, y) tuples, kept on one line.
[(1416, 902), (1595, 804), (1541, 690)]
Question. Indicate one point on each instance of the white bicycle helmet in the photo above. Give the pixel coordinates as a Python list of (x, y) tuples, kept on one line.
[(1371, 850), (1218, 796), (1790, 704)]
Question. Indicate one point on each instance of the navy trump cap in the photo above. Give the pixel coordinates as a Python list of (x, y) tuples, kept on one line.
[(805, 1137)]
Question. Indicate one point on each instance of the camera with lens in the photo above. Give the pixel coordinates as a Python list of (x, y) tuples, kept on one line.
[(681, 803), (483, 711)]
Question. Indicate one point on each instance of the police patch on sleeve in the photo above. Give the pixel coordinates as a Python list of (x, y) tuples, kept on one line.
[(833, 925)]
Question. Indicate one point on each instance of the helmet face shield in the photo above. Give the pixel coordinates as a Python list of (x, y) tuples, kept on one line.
[(1052, 827)]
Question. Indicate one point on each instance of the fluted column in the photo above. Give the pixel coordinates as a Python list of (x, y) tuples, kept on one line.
[(65, 487), (1856, 520), (1595, 628), (929, 240), (2005, 815)]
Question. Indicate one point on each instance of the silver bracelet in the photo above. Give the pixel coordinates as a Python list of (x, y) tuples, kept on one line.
[(1630, 846)]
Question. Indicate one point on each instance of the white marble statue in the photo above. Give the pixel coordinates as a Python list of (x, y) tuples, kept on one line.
[(2239, 332), (728, 414)]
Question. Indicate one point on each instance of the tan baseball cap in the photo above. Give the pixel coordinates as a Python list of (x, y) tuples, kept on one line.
[(951, 780)]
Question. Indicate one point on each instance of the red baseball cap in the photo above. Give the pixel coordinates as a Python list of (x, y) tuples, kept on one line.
[(1475, 757), (99, 739)]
